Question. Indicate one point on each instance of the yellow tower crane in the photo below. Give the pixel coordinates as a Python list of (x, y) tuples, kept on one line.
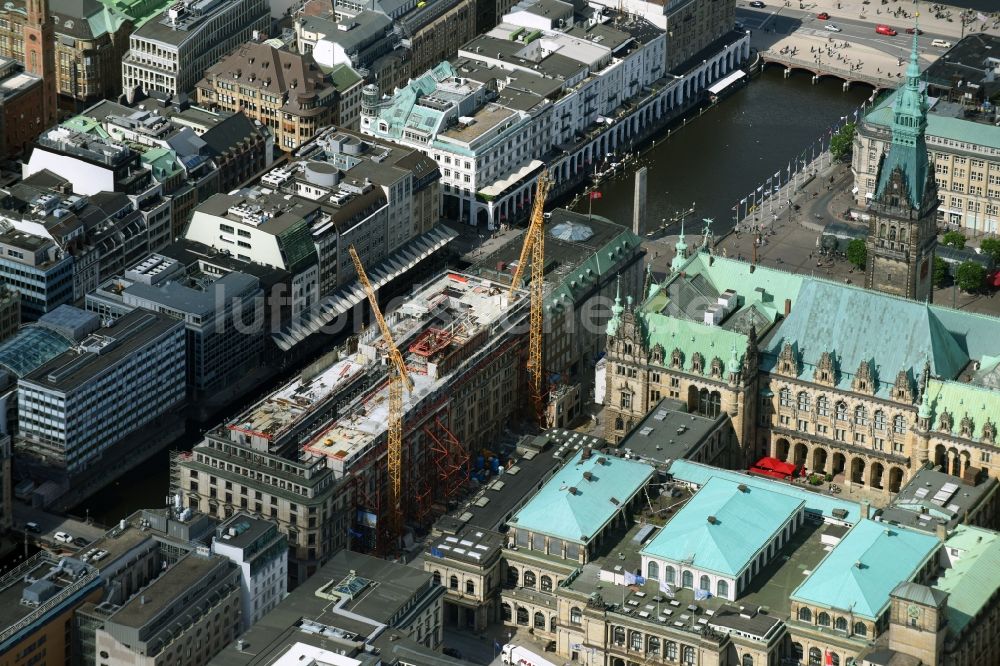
[(399, 379), (534, 242)]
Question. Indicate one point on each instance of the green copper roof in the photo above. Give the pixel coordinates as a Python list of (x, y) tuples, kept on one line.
[(868, 563), (401, 111), (85, 125), (945, 127), (908, 150), (691, 337), (582, 279), (858, 325), (816, 503), (744, 521), (140, 11), (580, 516), (974, 576), (960, 400)]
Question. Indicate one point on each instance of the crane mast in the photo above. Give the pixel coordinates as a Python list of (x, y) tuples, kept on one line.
[(534, 243), (399, 379)]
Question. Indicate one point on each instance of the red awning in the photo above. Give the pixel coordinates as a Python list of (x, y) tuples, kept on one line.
[(775, 465), (756, 471)]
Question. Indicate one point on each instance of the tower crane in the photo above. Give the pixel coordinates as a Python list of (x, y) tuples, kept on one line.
[(534, 242), (399, 379)]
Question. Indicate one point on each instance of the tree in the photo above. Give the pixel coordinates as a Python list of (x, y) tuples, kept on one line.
[(940, 272), (970, 276), (954, 239), (857, 252), (991, 246), (842, 142)]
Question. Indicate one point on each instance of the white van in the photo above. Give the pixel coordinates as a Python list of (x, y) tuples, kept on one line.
[(941, 43)]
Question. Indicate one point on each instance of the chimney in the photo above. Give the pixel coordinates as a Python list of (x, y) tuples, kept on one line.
[(865, 509), (942, 531), (587, 452), (788, 306)]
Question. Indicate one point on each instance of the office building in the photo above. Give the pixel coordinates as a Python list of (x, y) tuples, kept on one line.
[(170, 53), (37, 600), (962, 138), (223, 314), (38, 270), (355, 609), (22, 95), (431, 33), (261, 553), (10, 312), (185, 616), (277, 87), (78, 406)]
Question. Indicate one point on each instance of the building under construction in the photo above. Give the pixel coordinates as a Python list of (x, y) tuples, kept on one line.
[(312, 457), (463, 341)]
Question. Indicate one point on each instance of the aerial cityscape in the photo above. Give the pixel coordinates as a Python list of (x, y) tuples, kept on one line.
[(499, 333)]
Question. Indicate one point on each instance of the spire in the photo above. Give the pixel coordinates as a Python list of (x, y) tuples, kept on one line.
[(925, 405), (616, 309), (908, 150), (681, 249)]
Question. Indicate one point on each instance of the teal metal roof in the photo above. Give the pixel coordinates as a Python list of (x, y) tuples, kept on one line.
[(583, 277), (816, 503), (945, 127), (580, 516), (858, 325), (722, 528), (974, 577), (960, 400), (868, 563)]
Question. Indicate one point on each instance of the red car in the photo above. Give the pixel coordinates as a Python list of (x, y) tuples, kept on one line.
[(885, 30), (823, 16), (910, 31)]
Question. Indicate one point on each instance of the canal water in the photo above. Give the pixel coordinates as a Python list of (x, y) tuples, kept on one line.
[(713, 161), (731, 149)]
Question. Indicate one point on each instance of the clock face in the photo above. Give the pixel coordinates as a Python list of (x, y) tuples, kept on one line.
[(912, 611)]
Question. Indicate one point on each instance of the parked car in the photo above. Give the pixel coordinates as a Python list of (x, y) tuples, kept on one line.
[(831, 27), (757, 4), (32, 526), (80, 542), (910, 31), (883, 29), (63, 537), (941, 43), (823, 16)]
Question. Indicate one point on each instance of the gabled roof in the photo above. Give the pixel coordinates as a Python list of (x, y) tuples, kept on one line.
[(723, 526), (973, 578), (868, 563), (579, 516), (858, 325), (961, 400)]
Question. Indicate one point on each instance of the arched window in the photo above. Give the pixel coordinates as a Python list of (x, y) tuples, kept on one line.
[(512, 577), (840, 624), (540, 621), (805, 614), (470, 587), (748, 660), (881, 230), (437, 577), (635, 640), (841, 411), (546, 584), (860, 629), (823, 406), (785, 397), (529, 579), (687, 579), (653, 645), (880, 420), (522, 616), (506, 613), (668, 574), (860, 415), (670, 650), (898, 424), (823, 619), (815, 657), (803, 399), (619, 423), (797, 653), (892, 233), (705, 584), (834, 659), (687, 654), (575, 615), (722, 589), (552, 624), (653, 571), (619, 635), (453, 582)]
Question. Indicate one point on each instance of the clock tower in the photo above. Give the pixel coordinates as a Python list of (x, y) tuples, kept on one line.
[(902, 228), (40, 56), (918, 622)]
